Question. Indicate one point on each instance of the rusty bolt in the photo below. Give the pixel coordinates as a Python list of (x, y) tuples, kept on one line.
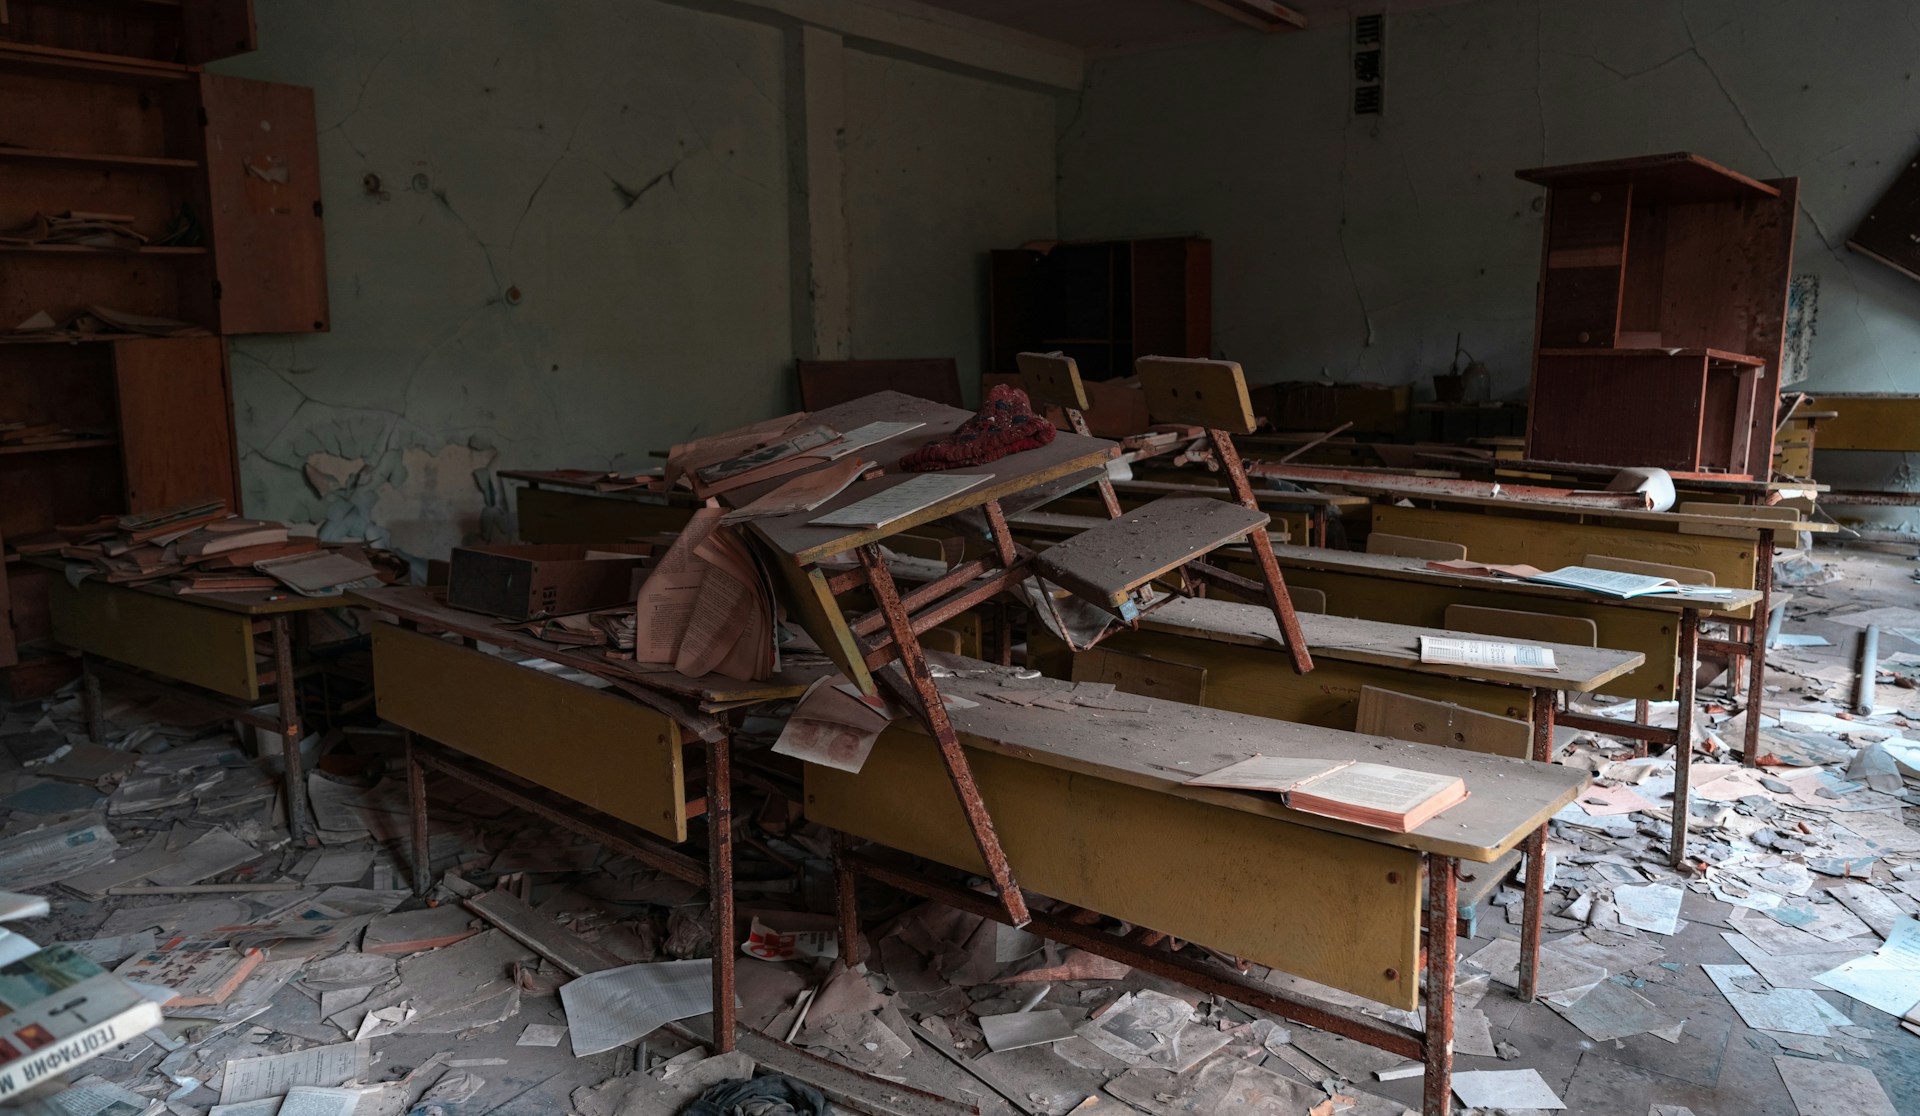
[(513, 296)]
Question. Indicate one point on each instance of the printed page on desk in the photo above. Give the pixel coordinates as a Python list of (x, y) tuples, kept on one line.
[(1614, 583), (1485, 653), (672, 587), (1278, 774)]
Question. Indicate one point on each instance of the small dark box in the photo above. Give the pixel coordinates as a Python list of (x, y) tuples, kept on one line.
[(524, 582)]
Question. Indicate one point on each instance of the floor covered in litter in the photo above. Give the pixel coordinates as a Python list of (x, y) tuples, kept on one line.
[(1772, 983)]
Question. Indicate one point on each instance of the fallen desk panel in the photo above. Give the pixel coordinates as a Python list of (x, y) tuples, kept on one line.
[(181, 639), (1551, 543), (593, 746), (1654, 634), (1333, 908)]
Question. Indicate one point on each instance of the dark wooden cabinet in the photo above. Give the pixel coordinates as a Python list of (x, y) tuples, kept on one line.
[(104, 109), (186, 31), (1662, 314), (1103, 303)]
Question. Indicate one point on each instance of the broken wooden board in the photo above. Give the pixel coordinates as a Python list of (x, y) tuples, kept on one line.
[(542, 934), (1105, 564)]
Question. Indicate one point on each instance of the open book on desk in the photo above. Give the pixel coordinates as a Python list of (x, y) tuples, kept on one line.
[(1368, 793), (1607, 583)]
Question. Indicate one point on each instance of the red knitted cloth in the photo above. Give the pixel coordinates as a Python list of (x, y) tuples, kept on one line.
[(1006, 424)]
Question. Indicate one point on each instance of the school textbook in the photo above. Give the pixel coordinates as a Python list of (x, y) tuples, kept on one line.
[(1368, 793), (1486, 653), (57, 1010)]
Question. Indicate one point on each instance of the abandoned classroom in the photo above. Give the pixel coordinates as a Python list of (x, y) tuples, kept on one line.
[(959, 557)]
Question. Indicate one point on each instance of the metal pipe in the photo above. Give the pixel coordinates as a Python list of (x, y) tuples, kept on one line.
[(720, 887), (1683, 734), (1757, 656), (286, 691), (1869, 666), (1442, 910)]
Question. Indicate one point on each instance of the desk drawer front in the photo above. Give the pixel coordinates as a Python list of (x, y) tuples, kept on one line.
[(1332, 908), (183, 641), (597, 748)]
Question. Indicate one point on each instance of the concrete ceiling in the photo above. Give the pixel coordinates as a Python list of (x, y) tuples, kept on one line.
[(1118, 25)]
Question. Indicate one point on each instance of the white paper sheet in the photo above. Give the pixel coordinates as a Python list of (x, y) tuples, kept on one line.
[(212, 853), (1655, 907), (1505, 1089), (308, 1100), (1486, 653), (1794, 1010), (254, 1078), (616, 1006), (1889, 978), (541, 1034), (901, 500)]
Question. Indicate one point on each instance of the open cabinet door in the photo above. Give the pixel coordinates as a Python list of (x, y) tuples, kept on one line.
[(263, 186), (216, 29), (176, 422)]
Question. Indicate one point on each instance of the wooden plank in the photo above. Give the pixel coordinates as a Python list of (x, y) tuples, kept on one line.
[(1051, 378), (1511, 623), (1106, 563), (1257, 681), (1404, 716), (541, 934), (1209, 393), (1337, 909), (1888, 423), (599, 749), (1409, 601), (215, 29), (1404, 546), (1552, 543), (553, 515), (182, 640), (1143, 675), (1580, 669), (263, 181), (176, 422), (1685, 575)]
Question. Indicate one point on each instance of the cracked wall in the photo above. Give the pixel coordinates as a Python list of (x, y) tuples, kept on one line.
[(940, 167), (577, 249), (1356, 249)]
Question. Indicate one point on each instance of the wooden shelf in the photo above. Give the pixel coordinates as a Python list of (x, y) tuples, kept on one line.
[(96, 159), (56, 447), (89, 250), (86, 65), (1718, 355), (87, 339)]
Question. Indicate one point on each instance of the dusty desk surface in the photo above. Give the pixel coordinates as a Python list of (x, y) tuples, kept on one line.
[(1416, 569), (253, 602), (428, 607), (1159, 745), (1579, 669), (795, 535)]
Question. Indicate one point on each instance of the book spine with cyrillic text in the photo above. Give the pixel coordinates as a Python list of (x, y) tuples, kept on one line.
[(24, 1073)]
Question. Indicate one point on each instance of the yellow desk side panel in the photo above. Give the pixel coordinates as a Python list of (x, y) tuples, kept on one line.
[(190, 643), (597, 748), (1335, 909)]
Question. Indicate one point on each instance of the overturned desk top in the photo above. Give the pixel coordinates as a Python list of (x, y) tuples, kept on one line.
[(1416, 569), (796, 536), (1579, 669), (1159, 745)]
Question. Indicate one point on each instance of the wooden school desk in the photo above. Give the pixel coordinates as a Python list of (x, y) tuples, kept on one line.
[(1095, 812), (563, 506), (606, 763), (1239, 649), (1736, 547), (205, 640)]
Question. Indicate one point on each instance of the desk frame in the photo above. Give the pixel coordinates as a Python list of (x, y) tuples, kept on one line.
[(1150, 952)]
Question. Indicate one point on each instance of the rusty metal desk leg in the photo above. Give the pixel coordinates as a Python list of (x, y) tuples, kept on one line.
[(844, 883), (90, 697), (417, 807), (720, 886), (933, 714), (1757, 654), (1683, 731), (1317, 527), (286, 692), (1442, 903), (1277, 598), (1533, 906)]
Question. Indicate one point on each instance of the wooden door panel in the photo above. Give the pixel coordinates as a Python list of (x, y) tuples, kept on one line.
[(263, 185), (176, 422)]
